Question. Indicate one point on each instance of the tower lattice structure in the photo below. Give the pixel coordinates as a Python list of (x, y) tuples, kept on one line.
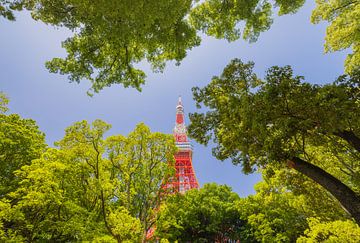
[(185, 178)]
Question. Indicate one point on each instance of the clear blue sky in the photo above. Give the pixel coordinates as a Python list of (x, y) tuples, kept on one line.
[(55, 103)]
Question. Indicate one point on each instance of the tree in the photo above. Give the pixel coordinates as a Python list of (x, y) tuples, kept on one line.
[(337, 231), (142, 163), (205, 215), (306, 196), (21, 141), (343, 31), (277, 120), (272, 215), (111, 38), (283, 203), (3, 102), (222, 19), (90, 188), (7, 7)]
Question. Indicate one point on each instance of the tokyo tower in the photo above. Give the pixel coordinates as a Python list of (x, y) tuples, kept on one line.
[(185, 178)]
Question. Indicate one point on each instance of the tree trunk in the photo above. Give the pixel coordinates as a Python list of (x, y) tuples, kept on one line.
[(351, 138), (347, 197)]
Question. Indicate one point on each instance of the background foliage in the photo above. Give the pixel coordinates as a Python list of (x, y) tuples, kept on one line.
[(110, 38)]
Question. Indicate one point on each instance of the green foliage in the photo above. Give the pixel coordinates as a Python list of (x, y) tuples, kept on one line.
[(205, 215), (256, 121), (224, 97), (125, 226), (282, 120), (112, 37), (222, 19), (282, 205), (7, 7), (338, 160), (343, 31), (271, 216), (337, 231), (109, 190), (143, 162), (90, 188), (287, 6), (308, 197), (278, 212), (20, 142), (3, 103)]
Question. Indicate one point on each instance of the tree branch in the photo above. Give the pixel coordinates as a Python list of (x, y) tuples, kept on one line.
[(350, 137), (345, 195)]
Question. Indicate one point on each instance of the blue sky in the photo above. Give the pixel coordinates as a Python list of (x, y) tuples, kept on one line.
[(55, 103)]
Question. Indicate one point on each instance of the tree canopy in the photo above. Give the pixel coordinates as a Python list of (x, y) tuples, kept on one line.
[(343, 30), (110, 38), (90, 188), (205, 215), (286, 207), (93, 188), (3, 102), (337, 231), (282, 120), (21, 141), (283, 204)]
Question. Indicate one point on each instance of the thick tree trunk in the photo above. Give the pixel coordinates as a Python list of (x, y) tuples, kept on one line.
[(351, 138), (347, 197)]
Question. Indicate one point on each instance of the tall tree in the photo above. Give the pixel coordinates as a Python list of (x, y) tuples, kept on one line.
[(90, 188), (337, 231), (282, 205), (343, 31), (222, 18), (205, 215), (111, 38), (276, 120), (141, 164), (21, 141), (272, 215)]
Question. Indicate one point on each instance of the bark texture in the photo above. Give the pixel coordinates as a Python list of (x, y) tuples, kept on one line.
[(351, 138), (347, 197)]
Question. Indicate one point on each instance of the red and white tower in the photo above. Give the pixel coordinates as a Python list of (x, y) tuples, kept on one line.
[(185, 178)]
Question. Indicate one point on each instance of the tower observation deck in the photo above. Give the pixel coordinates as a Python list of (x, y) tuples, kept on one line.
[(185, 178)]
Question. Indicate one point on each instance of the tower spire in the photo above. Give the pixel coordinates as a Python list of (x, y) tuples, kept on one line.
[(185, 178), (180, 128), (179, 101)]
